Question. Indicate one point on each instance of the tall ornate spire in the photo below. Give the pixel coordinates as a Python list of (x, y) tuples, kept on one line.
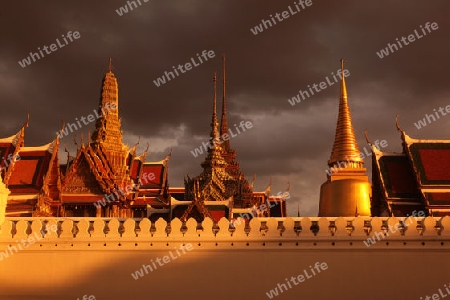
[(214, 183), (223, 121), (214, 157), (214, 122), (347, 184), (345, 148), (108, 130), (110, 67), (228, 154), (220, 178), (343, 93), (108, 127)]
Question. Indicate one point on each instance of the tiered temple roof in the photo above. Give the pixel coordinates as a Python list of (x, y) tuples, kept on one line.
[(108, 172), (221, 190), (415, 180), (107, 179), (32, 176), (214, 183), (153, 195)]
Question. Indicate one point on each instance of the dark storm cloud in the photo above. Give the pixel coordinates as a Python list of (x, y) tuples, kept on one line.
[(289, 143)]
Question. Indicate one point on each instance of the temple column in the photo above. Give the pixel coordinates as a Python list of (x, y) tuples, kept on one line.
[(99, 212), (114, 211)]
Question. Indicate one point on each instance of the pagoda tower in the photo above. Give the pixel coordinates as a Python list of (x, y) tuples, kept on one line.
[(107, 135), (214, 183), (214, 162), (100, 169), (346, 193), (214, 175)]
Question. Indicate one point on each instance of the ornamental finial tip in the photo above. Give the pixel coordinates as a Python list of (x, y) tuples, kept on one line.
[(110, 66)]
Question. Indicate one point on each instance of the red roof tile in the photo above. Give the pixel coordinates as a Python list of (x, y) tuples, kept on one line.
[(152, 174), (398, 177), (135, 169), (432, 162), (29, 171), (5, 150), (404, 210), (437, 198)]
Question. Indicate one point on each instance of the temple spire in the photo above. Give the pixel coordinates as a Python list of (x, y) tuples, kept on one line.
[(108, 126), (110, 66), (214, 158), (346, 193), (223, 121), (214, 123), (343, 85), (345, 148)]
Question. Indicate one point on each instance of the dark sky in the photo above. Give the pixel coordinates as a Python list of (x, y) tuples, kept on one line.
[(288, 143)]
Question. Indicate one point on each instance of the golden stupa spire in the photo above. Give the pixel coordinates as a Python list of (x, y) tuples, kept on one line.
[(343, 93), (345, 148), (346, 193)]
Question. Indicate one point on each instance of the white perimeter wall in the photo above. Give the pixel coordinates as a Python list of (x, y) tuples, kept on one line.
[(408, 264)]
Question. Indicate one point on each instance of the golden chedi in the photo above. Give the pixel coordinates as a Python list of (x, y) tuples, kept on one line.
[(346, 193)]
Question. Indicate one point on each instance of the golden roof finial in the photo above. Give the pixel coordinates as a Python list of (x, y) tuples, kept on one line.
[(345, 146), (343, 85), (28, 120), (397, 125), (215, 123), (146, 150), (367, 137), (223, 120), (402, 132), (252, 184), (224, 78), (60, 134), (110, 66), (215, 96), (82, 140)]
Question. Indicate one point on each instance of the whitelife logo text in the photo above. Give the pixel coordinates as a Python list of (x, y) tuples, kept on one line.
[(223, 137), (187, 66), (35, 56), (161, 261), (284, 15), (297, 280), (411, 38), (86, 120), (323, 85), (423, 123)]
